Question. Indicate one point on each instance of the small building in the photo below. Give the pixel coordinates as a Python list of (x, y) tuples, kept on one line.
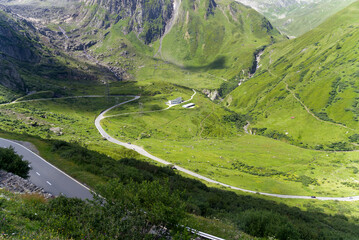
[(189, 105), (176, 101)]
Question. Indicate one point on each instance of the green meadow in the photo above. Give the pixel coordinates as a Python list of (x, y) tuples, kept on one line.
[(200, 140), (305, 91)]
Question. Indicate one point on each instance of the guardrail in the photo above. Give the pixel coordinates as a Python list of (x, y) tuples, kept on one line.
[(203, 235)]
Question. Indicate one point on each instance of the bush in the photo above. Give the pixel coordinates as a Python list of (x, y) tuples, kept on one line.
[(129, 212), (354, 138), (227, 87), (267, 224), (240, 120), (340, 146), (199, 198), (11, 162)]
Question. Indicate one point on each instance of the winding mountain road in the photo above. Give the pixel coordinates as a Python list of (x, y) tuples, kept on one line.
[(47, 176), (54, 181), (143, 152)]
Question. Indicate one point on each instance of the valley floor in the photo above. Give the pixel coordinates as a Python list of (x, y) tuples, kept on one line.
[(176, 135)]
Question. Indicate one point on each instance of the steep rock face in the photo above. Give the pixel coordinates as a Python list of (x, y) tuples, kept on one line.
[(147, 19), (16, 48), (10, 77), (12, 43)]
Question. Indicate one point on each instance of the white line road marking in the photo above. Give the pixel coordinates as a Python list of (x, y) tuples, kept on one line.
[(38, 173), (15, 143), (48, 183)]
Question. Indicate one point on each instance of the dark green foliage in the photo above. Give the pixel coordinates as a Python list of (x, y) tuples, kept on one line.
[(227, 87), (306, 181), (293, 223), (155, 107), (277, 135), (240, 120), (351, 184), (259, 131), (333, 93), (129, 212), (159, 205), (268, 224), (323, 116), (267, 172), (98, 164), (340, 146), (155, 14), (11, 162), (354, 138), (258, 171)]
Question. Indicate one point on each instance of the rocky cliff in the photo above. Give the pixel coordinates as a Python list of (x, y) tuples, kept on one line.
[(147, 19), (16, 47)]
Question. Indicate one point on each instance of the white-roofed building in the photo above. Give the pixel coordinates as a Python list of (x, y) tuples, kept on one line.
[(176, 101), (189, 105)]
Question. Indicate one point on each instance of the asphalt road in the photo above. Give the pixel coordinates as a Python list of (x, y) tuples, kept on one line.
[(47, 176), (143, 152)]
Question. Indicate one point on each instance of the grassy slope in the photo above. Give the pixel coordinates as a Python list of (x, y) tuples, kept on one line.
[(38, 66), (199, 139), (195, 53), (295, 19), (200, 130), (320, 69), (202, 195), (222, 43), (314, 15), (18, 220)]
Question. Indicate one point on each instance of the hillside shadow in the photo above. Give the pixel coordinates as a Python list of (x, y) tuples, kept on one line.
[(218, 63)]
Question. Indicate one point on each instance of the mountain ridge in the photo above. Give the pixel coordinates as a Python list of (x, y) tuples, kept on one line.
[(319, 69), (295, 17)]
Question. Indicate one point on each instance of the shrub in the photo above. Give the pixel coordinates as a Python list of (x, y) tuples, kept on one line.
[(240, 120), (339, 146), (11, 162), (268, 224), (354, 138)]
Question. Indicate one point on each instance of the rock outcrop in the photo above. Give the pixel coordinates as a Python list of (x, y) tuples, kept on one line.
[(14, 183), (213, 95), (16, 48), (147, 19)]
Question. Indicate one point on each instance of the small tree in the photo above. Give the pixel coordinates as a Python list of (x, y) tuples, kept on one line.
[(153, 203), (11, 162)]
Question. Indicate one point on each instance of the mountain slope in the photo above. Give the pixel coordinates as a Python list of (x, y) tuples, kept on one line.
[(146, 18), (30, 60), (294, 17), (219, 36), (15, 47), (306, 90), (204, 38)]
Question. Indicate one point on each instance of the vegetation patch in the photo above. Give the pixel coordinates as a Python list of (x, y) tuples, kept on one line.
[(265, 172), (11, 162)]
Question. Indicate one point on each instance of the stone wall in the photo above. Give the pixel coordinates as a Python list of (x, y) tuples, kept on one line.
[(14, 183)]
